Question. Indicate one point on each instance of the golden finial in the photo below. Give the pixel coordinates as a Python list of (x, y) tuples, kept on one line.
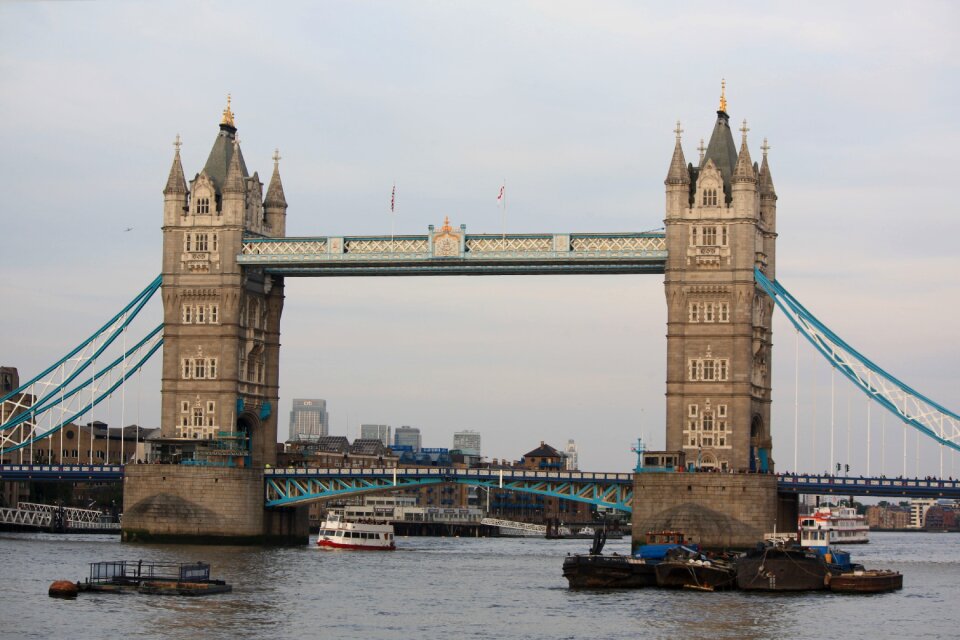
[(446, 224), (723, 95), (227, 114)]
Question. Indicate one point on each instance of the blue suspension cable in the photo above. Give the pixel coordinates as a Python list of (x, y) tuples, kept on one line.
[(796, 312)]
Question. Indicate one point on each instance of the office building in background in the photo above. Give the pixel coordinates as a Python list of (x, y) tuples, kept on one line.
[(572, 454), (467, 441), (379, 432), (408, 437), (309, 419)]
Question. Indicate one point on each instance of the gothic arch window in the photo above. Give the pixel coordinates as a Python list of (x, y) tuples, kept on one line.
[(709, 197)]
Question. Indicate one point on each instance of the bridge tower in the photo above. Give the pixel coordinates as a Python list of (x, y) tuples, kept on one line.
[(221, 335), (720, 223), (220, 379)]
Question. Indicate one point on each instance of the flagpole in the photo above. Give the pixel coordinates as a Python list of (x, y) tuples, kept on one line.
[(393, 219), (504, 215)]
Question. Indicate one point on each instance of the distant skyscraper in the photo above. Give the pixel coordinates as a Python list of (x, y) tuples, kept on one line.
[(309, 419), (467, 441), (572, 454), (379, 432), (407, 437)]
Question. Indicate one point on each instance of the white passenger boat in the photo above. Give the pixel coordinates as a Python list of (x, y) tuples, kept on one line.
[(833, 526), (336, 533)]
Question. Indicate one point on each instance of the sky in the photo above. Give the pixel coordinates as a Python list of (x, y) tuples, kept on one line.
[(573, 106)]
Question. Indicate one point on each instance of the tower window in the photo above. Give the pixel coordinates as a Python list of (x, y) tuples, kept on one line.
[(709, 198), (709, 369), (203, 205), (709, 236)]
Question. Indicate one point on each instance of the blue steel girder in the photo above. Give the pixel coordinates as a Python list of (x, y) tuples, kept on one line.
[(289, 487)]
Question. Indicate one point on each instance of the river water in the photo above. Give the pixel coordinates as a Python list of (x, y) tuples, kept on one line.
[(455, 588)]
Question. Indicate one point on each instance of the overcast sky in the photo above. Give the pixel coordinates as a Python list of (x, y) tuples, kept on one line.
[(574, 105)]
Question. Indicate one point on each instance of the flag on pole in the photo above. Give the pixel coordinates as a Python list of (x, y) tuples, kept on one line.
[(500, 195), (393, 196)]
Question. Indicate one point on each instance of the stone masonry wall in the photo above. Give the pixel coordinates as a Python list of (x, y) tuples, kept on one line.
[(716, 510), (192, 504)]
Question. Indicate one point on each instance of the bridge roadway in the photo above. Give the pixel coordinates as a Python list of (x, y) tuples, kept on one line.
[(301, 485)]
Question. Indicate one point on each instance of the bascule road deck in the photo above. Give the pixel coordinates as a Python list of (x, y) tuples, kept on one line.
[(454, 252)]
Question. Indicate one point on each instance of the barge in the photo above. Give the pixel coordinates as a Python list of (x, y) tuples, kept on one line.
[(153, 578)]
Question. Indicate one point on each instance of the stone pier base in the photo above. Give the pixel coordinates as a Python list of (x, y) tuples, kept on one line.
[(204, 505), (715, 510)]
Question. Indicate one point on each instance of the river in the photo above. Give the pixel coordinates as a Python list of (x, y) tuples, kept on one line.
[(455, 588)]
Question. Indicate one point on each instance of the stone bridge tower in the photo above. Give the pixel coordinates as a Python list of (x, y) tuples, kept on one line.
[(221, 342), (221, 321), (720, 224)]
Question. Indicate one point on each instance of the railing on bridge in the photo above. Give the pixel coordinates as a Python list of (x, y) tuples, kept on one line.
[(540, 529), (41, 516), (64, 472), (453, 252), (882, 486)]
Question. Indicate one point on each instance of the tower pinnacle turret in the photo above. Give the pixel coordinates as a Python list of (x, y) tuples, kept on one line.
[(176, 182)]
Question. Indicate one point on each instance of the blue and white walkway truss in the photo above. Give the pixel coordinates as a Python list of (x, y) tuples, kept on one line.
[(930, 418)]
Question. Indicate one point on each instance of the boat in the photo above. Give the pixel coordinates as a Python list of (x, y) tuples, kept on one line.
[(843, 525), (563, 532), (597, 571), (154, 578), (657, 544), (872, 581), (608, 572), (685, 568), (777, 566), (336, 533)]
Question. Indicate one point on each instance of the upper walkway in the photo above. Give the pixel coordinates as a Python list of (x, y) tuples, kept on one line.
[(451, 251)]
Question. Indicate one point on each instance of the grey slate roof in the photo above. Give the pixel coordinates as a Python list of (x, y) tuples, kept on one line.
[(722, 150), (218, 162), (543, 451), (275, 197), (176, 182)]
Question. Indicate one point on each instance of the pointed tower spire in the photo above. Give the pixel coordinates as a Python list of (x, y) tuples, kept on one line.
[(275, 196), (766, 180), (678, 173), (722, 149), (744, 169), (233, 182), (176, 182), (275, 204)]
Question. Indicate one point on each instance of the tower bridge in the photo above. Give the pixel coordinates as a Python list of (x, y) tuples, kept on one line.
[(226, 256)]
